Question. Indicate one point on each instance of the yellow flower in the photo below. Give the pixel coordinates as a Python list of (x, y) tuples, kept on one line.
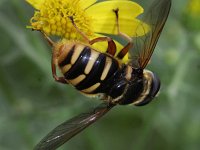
[(193, 8), (191, 14), (90, 16)]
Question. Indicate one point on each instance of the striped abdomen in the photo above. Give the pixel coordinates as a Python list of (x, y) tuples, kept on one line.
[(86, 69), (92, 72)]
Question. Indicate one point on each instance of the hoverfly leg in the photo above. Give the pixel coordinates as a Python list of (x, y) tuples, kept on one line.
[(53, 68), (51, 43), (111, 44), (126, 48), (53, 64), (57, 79), (78, 30)]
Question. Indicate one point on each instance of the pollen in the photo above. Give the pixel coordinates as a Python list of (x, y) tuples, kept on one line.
[(53, 18)]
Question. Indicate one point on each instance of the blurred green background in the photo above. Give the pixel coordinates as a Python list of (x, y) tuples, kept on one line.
[(32, 103)]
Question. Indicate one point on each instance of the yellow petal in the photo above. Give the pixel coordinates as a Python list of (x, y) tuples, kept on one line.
[(86, 3), (131, 27), (36, 3), (106, 8), (104, 19)]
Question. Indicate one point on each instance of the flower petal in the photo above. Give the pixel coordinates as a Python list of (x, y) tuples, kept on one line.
[(131, 27), (36, 3), (106, 8), (104, 19), (86, 3)]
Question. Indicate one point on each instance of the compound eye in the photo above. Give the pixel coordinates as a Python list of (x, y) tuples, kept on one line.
[(154, 89), (155, 86)]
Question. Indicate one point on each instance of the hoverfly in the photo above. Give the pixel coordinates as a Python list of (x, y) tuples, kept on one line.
[(95, 73)]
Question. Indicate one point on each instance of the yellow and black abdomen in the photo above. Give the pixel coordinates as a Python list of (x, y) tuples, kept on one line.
[(85, 68)]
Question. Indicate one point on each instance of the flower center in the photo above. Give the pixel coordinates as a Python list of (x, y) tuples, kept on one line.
[(53, 19)]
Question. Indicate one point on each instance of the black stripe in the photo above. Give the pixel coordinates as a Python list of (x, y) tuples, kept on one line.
[(110, 79), (67, 59), (94, 75), (113, 68), (80, 64)]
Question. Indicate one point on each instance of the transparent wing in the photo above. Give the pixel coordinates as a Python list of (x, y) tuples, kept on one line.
[(70, 128), (144, 46)]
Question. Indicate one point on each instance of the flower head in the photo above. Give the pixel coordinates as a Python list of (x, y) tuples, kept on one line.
[(52, 17), (90, 16)]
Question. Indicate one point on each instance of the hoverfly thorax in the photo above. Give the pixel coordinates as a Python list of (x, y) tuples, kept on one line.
[(138, 87)]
